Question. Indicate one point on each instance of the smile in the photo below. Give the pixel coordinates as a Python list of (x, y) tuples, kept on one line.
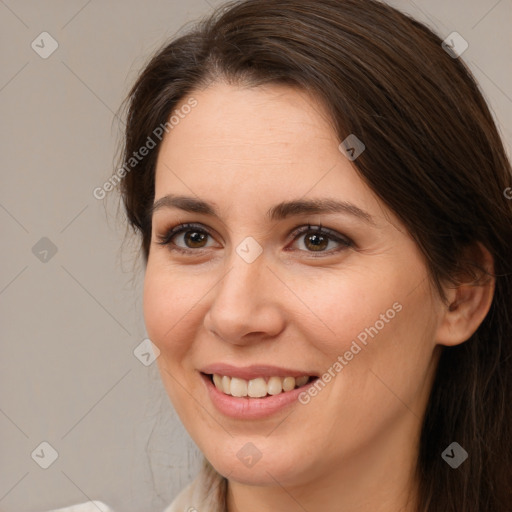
[(258, 396), (259, 387)]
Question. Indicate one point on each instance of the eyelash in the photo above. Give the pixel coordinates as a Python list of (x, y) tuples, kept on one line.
[(166, 238)]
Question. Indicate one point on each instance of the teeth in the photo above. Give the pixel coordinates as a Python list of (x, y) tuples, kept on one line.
[(238, 386), (226, 384), (301, 381), (257, 388), (274, 386), (217, 380), (288, 383)]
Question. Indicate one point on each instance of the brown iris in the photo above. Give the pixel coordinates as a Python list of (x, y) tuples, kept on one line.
[(318, 242), (193, 239)]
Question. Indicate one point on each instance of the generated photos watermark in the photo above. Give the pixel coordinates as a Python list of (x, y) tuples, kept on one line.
[(137, 156), (355, 348), (454, 455)]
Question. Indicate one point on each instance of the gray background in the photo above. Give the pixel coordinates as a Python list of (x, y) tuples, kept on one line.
[(70, 324)]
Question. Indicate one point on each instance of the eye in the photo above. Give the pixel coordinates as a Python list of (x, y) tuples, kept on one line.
[(193, 237), (317, 239)]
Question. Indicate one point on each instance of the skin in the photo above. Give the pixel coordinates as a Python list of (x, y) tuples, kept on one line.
[(353, 447)]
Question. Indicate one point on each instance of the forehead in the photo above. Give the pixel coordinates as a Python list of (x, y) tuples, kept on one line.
[(252, 144), (257, 122)]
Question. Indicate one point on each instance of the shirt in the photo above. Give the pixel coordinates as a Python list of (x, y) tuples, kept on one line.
[(206, 493)]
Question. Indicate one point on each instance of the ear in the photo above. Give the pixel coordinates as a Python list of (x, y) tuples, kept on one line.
[(469, 301)]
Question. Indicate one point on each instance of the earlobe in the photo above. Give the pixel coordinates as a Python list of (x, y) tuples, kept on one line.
[(468, 302)]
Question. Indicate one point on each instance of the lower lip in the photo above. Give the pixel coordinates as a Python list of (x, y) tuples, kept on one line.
[(251, 408)]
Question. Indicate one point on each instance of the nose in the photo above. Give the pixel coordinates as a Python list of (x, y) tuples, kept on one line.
[(246, 305)]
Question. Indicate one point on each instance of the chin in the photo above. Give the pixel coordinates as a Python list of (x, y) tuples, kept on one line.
[(261, 474), (242, 465)]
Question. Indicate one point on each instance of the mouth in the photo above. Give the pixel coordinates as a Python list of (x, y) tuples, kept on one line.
[(254, 392), (259, 387), (262, 404)]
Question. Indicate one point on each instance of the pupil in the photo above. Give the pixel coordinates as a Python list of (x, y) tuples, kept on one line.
[(194, 237), (318, 241)]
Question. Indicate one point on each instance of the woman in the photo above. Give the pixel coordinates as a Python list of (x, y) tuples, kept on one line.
[(327, 236)]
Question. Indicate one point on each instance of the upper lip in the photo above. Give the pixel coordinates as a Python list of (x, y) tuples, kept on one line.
[(253, 371)]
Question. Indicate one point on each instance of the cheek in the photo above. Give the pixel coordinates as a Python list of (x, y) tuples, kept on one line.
[(156, 306), (168, 302), (339, 307), (386, 355), (377, 319), (169, 316)]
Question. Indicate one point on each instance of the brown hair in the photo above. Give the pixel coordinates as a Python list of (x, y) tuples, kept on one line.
[(433, 155)]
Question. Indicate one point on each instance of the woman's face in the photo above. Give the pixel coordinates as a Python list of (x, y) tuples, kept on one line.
[(249, 291)]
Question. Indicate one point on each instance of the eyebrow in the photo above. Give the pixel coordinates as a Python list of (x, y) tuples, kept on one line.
[(280, 211)]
